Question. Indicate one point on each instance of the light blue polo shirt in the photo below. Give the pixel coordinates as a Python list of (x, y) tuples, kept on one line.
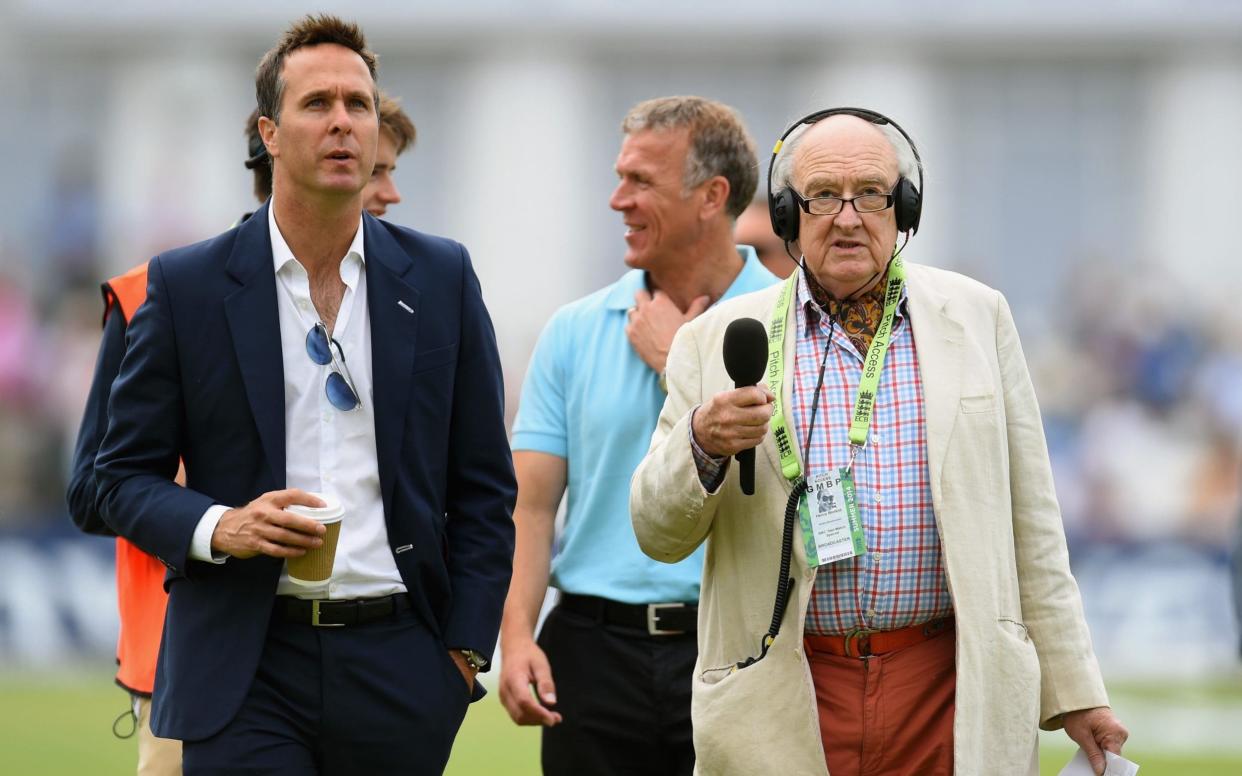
[(590, 399)]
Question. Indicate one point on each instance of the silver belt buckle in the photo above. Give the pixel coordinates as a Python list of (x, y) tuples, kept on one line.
[(655, 630), (315, 616)]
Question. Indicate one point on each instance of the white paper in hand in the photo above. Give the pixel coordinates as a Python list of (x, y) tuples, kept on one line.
[(1115, 765)]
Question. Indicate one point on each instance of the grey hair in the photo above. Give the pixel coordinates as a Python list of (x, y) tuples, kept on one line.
[(907, 164), (719, 143)]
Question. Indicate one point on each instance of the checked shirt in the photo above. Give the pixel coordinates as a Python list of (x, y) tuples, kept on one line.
[(900, 581)]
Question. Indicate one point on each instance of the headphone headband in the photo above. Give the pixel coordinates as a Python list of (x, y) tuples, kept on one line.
[(782, 208)]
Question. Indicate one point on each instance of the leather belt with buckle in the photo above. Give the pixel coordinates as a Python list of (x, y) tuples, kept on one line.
[(663, 619), (861, 642), (324, 613)]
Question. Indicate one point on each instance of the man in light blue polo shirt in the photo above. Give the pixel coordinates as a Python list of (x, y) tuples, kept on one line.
[(609, 678)]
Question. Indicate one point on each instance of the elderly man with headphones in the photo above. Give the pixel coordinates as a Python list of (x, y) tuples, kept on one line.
[(895, 597)]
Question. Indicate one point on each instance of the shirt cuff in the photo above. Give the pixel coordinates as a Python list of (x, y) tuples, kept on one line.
[(712, 470), (200, 544)]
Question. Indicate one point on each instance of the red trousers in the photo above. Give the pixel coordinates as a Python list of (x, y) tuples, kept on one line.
[(890, 714)]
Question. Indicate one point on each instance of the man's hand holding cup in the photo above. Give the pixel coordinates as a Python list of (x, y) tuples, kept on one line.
[(263, 527)]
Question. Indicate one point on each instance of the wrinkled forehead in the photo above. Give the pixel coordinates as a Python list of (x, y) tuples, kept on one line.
[(845, 149)]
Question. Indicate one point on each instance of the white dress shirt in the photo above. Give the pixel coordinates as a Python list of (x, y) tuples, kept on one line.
[(328, 450)]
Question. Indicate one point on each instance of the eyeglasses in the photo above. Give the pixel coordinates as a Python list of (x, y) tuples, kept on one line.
[(323, 350), (830, 206)]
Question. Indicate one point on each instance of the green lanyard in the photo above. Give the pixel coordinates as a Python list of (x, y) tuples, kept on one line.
[(873, 363)]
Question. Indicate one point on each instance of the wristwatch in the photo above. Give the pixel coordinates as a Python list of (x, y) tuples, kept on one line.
[(473, 658)]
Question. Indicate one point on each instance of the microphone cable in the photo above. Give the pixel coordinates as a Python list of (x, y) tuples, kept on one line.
[(784, 582)]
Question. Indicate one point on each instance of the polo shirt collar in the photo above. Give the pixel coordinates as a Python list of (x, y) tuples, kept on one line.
[(622, 295)]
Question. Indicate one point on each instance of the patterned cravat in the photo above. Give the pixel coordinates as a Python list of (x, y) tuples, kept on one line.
[(858, 318)]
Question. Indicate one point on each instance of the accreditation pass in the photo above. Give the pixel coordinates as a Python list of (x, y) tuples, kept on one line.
[(831, 527)]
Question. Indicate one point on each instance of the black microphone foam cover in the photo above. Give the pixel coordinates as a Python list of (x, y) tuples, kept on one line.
[(745, 351)]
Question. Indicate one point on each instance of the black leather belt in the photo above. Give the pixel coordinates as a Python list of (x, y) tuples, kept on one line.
[(326, 613), (672, 619)]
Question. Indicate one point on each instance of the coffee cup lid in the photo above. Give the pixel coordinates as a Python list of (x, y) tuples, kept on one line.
[(331, 512)]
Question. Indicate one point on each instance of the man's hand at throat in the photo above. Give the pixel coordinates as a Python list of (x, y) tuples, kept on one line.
[(653, 320)]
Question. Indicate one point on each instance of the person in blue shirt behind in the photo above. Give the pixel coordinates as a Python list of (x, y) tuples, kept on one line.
[(609, 677)]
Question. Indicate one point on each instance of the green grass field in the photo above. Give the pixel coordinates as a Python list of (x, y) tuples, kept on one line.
[(53, 726)]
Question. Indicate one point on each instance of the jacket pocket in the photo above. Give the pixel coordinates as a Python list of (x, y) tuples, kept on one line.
[(972, 405), (435, 358), (746, 720), (1014, 685), (1015, 627)]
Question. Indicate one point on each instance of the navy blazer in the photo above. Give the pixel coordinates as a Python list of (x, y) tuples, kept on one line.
[(81, 493), (203, 380)]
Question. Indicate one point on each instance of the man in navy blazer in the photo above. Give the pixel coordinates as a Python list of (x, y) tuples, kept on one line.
[(315, 348)]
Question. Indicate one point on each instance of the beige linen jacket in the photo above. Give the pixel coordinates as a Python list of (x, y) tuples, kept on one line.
[(1024, 655)]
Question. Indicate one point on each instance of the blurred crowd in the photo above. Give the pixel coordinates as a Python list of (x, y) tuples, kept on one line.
[(1141, 388), (47, 353)]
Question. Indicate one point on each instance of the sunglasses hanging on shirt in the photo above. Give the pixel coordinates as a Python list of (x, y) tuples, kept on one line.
[(324, 351)]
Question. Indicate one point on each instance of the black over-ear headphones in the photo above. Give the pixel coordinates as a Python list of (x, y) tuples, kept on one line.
[(907, 198)]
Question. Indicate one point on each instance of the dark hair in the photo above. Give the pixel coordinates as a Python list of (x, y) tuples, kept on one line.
[(310, 30), (719, 143), (259, 162), (394, 121)]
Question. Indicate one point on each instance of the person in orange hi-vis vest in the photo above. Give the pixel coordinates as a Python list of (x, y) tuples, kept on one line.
[(141, 599)]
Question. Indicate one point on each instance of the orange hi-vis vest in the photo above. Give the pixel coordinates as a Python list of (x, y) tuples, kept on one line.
[(141, 600)]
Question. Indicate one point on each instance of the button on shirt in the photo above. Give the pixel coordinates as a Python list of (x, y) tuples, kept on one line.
[(327, 450), (901, 580), (590, 399)]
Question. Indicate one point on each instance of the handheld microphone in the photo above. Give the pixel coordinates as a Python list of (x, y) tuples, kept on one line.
[(745, 356)]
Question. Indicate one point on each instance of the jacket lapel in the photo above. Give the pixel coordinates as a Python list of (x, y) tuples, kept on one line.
[(394, 308), (254, 324), (938, 339)]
